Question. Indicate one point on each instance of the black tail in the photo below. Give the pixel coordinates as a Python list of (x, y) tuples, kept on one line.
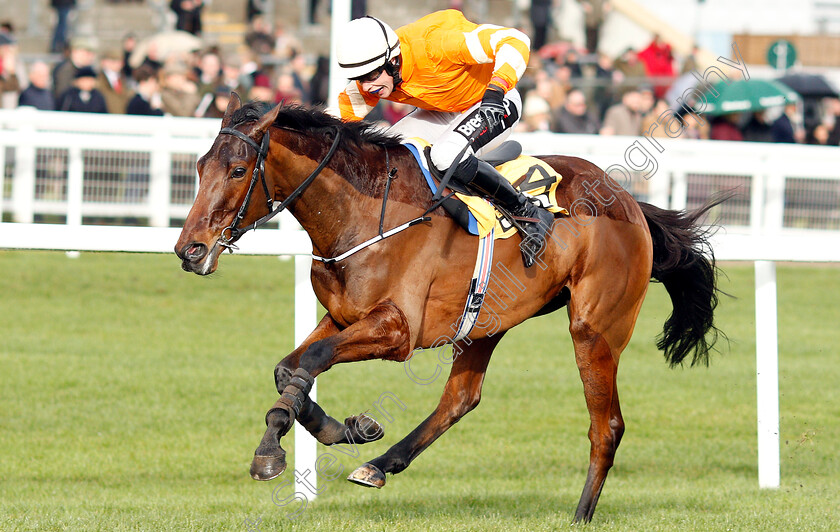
[(683, 261)]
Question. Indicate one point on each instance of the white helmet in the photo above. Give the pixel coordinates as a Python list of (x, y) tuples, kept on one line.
[(364, 45)]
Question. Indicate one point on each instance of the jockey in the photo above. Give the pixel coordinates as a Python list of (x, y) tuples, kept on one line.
[(460, 77)]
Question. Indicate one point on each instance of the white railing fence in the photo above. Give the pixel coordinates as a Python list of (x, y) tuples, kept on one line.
[(80, 171)]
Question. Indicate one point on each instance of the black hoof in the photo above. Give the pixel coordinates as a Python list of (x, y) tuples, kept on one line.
[(268, 467), (368, 475)]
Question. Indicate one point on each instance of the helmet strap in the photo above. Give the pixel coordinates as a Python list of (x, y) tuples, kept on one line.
[(394, 70)]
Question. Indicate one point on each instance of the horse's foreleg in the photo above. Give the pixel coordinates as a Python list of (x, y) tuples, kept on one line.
[(383, 333), (461, 394), (325, 429), (283, 371)]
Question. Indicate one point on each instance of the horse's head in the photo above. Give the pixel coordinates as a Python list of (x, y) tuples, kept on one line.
[(225, 177)]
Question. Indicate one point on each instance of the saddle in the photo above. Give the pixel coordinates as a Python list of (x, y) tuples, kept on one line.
[(475, 214)]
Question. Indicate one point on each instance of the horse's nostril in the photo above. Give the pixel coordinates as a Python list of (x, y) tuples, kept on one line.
[(195, 251)]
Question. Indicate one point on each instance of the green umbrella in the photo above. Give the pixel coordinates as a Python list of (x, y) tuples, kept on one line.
[(747, 95)]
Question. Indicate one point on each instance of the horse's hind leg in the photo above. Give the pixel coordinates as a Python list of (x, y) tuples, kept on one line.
[(461, 394), (600, 330)]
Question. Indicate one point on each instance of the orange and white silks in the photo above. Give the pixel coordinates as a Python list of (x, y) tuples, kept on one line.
[(447, 63)]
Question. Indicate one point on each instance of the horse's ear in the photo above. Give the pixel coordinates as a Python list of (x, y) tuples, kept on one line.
[(265, 121), (234, 104)]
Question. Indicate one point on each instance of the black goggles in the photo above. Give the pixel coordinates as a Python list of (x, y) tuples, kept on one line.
[(370, 76)]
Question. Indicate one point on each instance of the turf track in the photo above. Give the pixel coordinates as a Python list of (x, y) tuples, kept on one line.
[(133, 396)]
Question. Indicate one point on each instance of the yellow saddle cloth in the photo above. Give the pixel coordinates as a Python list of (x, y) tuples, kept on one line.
[(536, 179)]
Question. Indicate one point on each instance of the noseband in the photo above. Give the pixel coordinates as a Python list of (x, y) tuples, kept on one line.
[(233, 231)]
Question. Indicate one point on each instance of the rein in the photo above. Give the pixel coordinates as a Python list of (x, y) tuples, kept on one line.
[(259, 173), (234, 232), (391, 175)]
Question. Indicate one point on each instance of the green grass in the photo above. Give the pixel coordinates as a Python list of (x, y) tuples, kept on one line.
[(133, 397)]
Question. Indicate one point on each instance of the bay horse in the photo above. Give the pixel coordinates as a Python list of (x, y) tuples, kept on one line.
[(405, 292)]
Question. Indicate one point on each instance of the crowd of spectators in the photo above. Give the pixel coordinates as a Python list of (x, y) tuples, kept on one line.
[(198, 84), (565, 89)]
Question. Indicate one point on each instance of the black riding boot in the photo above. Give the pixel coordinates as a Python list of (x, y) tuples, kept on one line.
[(535, 221)]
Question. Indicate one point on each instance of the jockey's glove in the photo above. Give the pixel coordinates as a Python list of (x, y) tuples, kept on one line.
[(492, 110)]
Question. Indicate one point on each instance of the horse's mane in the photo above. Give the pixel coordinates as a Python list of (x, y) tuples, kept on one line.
[(363, 150), (315, 122)]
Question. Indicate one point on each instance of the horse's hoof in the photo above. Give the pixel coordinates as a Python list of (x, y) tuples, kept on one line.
[(364, 428), (267, 467), (368, 475)]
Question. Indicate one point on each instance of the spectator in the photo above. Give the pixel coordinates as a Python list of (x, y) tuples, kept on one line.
[(285, 43), (540, 13), (536, 114), (188, 15), (298, 69), (624, 118), (606, 78), (358, 9), (147, 100), (652, 117), (83, 97), (62, 10), (563, 78), (112, 83), (179, 94), (9, 83), (287, 92), (218, 106), (548, 89), (695, 127), (129, 42), (574, 117), (632, 69), (833, 117), (659, 63), (691, 63), (232, 77), (570, 60), (787, 128), (595, 12), (313, 11), (250, 68), (261, 91), (152, 59), (725, 127), (38, 93), (255, 8), (647, 99), (319, 83), (209, 72), (259, 38), (757, 129), (818, 135), (82, 54)]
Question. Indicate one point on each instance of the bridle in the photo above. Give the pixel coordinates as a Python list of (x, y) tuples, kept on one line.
[(233, 231)]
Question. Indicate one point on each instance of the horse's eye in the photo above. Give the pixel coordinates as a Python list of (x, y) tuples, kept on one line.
[(238, 172)]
